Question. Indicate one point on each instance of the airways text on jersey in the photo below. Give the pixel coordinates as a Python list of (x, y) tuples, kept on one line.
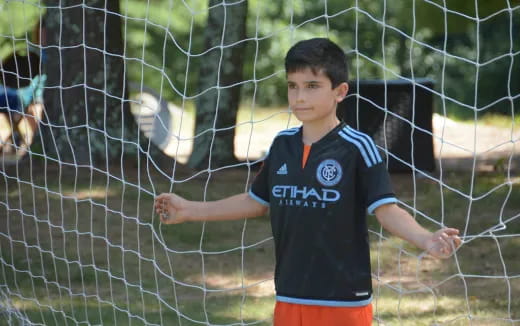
[(303, 196)]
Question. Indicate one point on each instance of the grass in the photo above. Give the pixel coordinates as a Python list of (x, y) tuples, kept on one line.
[(78, 247), (66, 251), (425, 291), (486, 119), (499, 120)]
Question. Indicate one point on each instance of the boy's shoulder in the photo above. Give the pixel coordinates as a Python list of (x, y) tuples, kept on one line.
[(352, 135), (281, 136), (363, 143), (288, 132), (356, 141)]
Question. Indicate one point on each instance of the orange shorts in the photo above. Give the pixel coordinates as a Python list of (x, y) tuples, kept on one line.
[(291, 314)]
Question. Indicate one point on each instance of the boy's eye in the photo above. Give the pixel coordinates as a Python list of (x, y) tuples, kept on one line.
[(313, 85), (291, 86)]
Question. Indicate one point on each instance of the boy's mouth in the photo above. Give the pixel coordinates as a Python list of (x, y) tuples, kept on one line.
[(301, 109)]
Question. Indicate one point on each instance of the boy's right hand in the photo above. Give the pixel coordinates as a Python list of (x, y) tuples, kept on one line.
[(171, 208)]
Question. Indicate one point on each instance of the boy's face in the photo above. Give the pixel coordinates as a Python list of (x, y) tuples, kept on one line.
[(311, 96)]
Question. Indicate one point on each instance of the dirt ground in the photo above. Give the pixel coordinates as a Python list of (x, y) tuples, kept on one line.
[(458, 145)]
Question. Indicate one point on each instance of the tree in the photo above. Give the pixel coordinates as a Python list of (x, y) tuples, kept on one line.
[(86, 75), (89, 119), (220, 70)]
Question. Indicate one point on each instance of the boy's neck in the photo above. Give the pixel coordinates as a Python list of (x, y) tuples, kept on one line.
[(315, 130)]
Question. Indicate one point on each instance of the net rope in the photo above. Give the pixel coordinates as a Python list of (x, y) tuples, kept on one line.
[(80, 245)]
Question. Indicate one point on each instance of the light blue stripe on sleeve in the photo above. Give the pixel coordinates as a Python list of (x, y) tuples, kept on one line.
[(290, 131), (361, 148), (363, 139), (380, 202), (369, 140), (326, 303), (286, 134), (258, 199)]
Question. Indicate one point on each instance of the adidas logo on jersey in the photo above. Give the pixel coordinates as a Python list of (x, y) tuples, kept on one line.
[(282, 170)]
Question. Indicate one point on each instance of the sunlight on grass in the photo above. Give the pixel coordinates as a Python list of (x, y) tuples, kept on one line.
[(113, 269), (93, 193), (427, 309), (255, 128), (500, 121), (221, 310)]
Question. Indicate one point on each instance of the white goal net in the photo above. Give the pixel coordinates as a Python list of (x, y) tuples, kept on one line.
[(436, 83)]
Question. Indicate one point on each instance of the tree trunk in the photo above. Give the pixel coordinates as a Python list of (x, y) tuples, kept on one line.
[(221, 67), (89, 118), (85, 102)]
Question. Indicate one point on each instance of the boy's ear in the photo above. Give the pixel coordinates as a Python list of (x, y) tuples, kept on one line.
[(341, 91)]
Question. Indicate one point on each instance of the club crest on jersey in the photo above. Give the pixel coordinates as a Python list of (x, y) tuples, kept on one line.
[(329, 173)]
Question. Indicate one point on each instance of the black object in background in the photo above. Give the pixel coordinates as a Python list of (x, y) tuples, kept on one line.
[(405, 119)]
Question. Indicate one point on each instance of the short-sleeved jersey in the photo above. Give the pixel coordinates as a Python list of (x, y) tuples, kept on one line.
[(318, 214)]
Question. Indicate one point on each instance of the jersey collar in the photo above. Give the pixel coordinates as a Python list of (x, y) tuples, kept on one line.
[(328, 137)]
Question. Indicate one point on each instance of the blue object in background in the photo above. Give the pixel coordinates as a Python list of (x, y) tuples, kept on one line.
[(9, 99)]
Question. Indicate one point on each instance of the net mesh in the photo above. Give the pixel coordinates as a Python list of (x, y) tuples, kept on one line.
[(80, 242)]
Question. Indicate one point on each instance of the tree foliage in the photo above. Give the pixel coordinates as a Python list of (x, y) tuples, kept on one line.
[(470, 52)]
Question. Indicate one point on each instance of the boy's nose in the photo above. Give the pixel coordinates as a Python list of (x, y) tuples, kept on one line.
[(300, 97)]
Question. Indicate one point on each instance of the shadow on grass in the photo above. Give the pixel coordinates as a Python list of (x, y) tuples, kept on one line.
[(223, 310), (81, 247)]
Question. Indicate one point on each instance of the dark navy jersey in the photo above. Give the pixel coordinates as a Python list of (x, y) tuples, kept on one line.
[(318, 214)]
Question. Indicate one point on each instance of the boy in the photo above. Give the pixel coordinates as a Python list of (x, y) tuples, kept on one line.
[(318, 181)]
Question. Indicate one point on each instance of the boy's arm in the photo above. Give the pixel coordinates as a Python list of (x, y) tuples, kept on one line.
[(174, 209), (397, 221)]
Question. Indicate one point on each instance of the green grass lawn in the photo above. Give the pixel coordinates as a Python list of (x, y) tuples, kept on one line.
[(77, 246)]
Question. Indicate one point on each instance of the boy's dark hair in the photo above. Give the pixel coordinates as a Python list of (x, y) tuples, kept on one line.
[(318, 54)]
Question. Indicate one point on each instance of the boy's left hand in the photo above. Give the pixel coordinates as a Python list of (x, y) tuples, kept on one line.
[(443, 243)]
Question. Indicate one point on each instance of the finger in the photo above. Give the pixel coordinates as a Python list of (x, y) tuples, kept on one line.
[(451, 236), (445, 249), (446, 237), (159, 203), (164, 220), (454, 243), (457, 241), (165, 217), (164, 212), (164, 205), (451, 231), (162, 197), (439, 252), (441, 239), (443, 246)]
